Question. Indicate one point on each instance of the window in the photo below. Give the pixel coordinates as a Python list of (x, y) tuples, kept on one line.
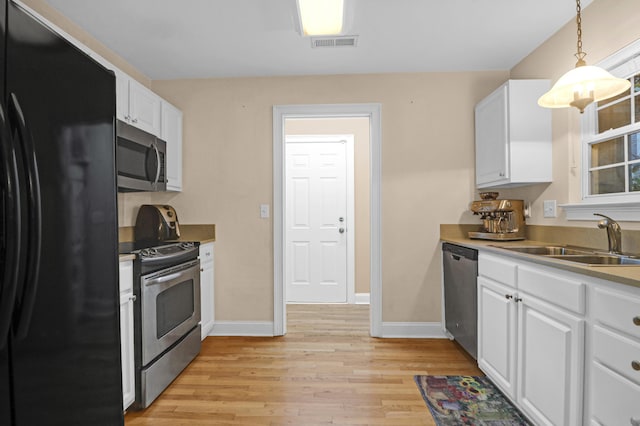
[(611, 137)]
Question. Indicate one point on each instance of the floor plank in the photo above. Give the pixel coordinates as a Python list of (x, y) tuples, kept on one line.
[(325, 371)]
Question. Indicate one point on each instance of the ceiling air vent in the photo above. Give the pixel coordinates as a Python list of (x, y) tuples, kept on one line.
[(343, 41)]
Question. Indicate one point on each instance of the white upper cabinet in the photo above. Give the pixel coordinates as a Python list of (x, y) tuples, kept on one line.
[(172, 134), (137, 105), (513, 136)]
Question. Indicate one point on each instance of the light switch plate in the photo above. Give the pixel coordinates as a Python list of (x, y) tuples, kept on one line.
[(264, 211), (550, 207)]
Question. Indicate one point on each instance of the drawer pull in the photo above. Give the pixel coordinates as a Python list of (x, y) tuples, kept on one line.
[(636, 320), (635, 365)]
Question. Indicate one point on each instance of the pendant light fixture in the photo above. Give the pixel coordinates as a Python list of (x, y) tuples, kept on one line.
[(584, 84)]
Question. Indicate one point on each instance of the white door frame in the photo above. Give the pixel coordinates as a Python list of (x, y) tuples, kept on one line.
[(350, 204), (280, 114)]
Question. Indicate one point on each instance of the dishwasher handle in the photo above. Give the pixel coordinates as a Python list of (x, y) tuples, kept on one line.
[(459, 252)]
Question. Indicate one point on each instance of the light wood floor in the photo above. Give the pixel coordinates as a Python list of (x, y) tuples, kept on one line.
[(326, 370)]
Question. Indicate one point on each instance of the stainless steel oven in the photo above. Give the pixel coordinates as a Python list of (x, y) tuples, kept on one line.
[(170, 307), (166, 314)]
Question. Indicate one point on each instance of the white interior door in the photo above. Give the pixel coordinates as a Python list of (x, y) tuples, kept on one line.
[(316, 221)]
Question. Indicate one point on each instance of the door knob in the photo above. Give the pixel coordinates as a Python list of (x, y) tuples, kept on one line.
[(341, 230)]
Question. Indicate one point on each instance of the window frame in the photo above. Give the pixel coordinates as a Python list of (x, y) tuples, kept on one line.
[(624, 64), (621, 206)]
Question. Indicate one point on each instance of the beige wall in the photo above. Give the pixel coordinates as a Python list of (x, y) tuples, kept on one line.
[(607, 26), (427, 150), (359, 128)]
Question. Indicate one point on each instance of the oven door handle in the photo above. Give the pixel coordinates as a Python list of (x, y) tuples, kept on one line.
[(163, 279)]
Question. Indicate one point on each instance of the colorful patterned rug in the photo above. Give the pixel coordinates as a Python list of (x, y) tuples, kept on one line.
[(467, 400)]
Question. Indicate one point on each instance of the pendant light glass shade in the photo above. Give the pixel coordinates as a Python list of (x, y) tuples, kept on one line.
[(581, 86), (321, 17)]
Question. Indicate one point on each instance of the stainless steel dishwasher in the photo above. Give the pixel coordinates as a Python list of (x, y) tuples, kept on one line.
[(460, 269)]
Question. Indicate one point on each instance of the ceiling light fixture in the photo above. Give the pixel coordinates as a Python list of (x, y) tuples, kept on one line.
[(321, 17), (584, 84)]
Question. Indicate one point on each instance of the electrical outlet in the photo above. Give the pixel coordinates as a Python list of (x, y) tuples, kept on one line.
[(549, 207)]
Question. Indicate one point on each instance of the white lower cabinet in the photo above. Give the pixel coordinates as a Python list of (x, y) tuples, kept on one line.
[(550, 363), (613, 366), (206, 289), (497, 334), (531, 343), (126, 333)]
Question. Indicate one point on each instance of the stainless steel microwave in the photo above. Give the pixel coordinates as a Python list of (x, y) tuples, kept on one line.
[(140, 159)]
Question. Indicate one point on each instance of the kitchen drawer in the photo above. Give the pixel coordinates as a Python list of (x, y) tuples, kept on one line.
[(126, 276), (497, 268), (617, 353), (556, 289), (614, 399), (206, 253), (619, 311)]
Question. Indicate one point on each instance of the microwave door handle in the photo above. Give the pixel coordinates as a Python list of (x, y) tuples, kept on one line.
[(155, 147)]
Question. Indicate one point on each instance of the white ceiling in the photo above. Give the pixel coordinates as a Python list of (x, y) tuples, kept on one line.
[(170, 39)]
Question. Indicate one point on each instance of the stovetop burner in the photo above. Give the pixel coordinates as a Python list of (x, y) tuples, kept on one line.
[(163, 253)]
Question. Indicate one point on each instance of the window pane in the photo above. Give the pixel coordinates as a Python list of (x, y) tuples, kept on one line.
[(634, 177), (637, 109), (614, 116), (636, 83), (607, 181), (608, 152), (634, 146)]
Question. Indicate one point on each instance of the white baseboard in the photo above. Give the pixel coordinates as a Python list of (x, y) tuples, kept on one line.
[(415, 330), (242, 328), (362, 298)]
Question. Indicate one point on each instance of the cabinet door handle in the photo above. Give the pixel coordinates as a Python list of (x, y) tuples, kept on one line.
[(518, 299), (201, 269), (635, 365), (133, 298), (636, 320), (508, 296)]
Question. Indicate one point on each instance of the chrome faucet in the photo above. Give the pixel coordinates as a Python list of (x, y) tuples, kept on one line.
[(614, 233)]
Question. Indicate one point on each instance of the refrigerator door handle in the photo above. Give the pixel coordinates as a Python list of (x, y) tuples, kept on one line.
[(12, 225), (34, 219)]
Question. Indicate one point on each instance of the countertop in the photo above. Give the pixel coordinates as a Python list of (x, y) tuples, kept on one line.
[(125, 257), (202, 233), (624, 274)]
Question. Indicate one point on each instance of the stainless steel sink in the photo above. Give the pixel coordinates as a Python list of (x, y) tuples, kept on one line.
[(547, 250), (582, 255), (602, 260)]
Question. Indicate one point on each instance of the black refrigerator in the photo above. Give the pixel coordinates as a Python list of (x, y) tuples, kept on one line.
[(59, 298)]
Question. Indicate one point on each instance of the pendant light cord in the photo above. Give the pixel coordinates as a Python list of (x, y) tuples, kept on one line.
[(579, 54)]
